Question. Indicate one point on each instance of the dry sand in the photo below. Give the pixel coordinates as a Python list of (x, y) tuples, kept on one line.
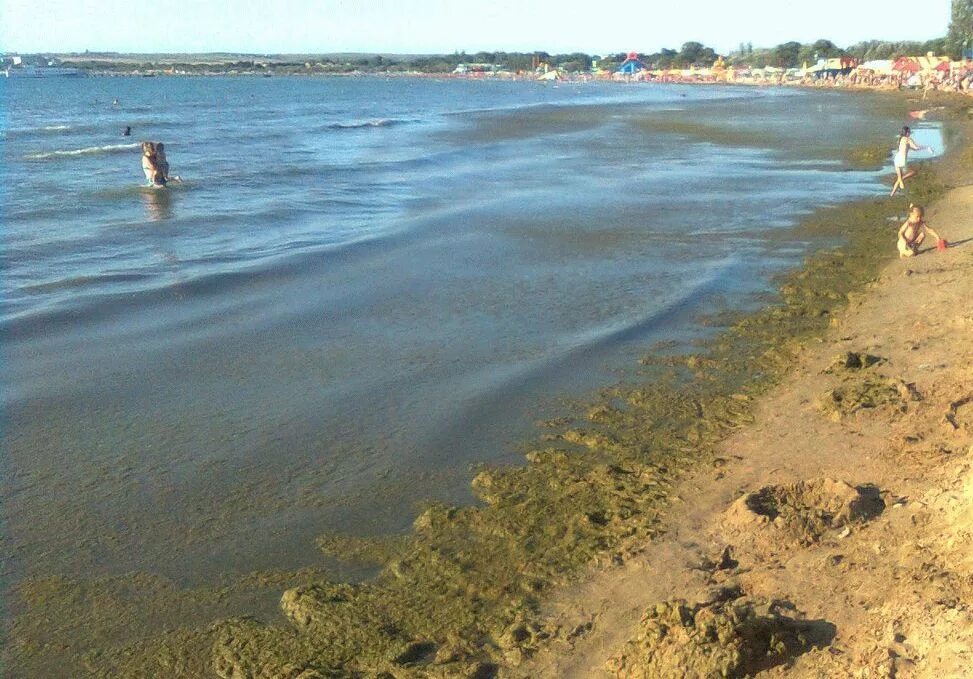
[(898, 588)]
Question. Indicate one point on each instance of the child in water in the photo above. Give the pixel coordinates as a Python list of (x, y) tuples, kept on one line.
[(160, 160), (163, 164), (913, 232), (902, 172)]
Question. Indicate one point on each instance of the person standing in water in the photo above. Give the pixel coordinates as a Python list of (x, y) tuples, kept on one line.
[(150, 165), (902, 171)]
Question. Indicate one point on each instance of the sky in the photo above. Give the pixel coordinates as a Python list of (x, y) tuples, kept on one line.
[(446, 26)]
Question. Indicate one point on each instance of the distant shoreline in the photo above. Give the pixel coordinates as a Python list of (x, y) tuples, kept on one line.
[(503, 76)]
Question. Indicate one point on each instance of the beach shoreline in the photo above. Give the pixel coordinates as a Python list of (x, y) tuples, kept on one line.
[(521, 632), (892, 590)]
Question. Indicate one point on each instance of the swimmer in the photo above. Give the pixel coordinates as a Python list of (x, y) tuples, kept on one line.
[(913, 232), (127, 132), (902, 171)]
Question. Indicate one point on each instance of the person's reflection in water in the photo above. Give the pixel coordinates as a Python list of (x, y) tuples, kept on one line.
[(158, 204)]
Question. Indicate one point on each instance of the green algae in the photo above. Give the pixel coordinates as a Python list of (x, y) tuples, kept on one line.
[(461, 595), (867, 393), (873, 157), (64, 622), (729, 636), (861, 388), (721, 135)]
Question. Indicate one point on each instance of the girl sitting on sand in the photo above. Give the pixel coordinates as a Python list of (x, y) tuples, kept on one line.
[(913, 232)]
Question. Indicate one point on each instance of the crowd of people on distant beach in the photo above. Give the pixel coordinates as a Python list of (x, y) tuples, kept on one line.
[(943, 81), (959, 82)]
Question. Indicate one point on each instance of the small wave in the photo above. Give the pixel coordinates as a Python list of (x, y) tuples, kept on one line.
[(110, 148), (359, 124), (30, 131), (83, 281)]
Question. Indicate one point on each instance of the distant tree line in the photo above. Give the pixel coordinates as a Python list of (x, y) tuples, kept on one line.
[(510, 61), (785, 55), (959, 39), (795, 54), (440, 63)]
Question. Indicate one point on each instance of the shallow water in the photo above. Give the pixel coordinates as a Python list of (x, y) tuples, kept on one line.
[(362, 288)]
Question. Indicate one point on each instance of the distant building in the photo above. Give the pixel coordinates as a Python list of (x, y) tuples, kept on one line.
[(462, 69)]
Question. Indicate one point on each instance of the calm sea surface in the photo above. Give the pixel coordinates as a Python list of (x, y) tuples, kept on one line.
[(362, 288)]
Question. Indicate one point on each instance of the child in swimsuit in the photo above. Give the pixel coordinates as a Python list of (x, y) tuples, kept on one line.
[(913, 232), (163, 164)]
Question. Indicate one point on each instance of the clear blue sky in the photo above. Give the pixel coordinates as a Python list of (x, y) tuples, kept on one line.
[(444, 26)]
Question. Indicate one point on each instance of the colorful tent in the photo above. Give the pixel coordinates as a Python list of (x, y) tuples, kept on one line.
[(906, 65)]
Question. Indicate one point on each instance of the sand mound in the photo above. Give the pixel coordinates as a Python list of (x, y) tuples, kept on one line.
[(861, 388), (867, 393), (801, 513), (731, 636)]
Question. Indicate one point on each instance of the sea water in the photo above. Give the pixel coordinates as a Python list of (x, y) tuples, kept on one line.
[(361, 289)]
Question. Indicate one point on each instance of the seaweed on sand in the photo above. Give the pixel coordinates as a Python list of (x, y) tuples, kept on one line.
[(731, 636)]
